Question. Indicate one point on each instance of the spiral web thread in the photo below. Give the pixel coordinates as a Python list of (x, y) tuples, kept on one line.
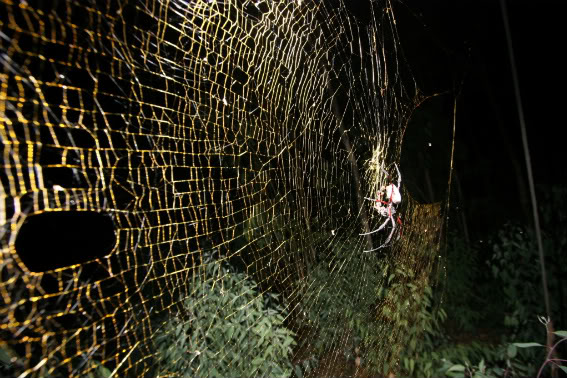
[(246, 129)]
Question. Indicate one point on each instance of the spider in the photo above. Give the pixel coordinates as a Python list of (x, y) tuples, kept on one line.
[(387, 207)]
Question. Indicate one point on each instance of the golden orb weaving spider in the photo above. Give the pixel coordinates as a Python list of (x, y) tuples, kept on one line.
[(385, 204)]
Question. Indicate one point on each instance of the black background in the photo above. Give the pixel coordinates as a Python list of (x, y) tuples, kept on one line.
[(461, 47)]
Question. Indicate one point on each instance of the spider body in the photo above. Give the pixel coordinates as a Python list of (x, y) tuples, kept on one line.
[(388, 198), (393, 192)]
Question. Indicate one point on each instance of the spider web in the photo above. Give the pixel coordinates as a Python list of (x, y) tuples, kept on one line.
[(253, 129)]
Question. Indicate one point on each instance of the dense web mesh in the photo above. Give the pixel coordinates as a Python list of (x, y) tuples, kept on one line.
[(243, 132)]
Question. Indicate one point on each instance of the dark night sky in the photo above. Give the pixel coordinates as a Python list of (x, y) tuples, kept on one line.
[(447, 42)]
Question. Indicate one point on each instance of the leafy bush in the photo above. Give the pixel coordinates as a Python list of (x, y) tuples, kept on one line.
[(516, 278), (515, 264), (333, 297), (420, 357), (461, 286), (450, 318), (502, 299), (388, 308), (226, 328), (512, 368), (482, 361), (11, 365)]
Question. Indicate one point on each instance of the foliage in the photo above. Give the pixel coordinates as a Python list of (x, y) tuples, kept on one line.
[(454, 356), (512, 369), (389, 307), (516, 265), (461, 290), (226, 328), (429, 344), (333, 297), (425, 335), (11, 362), (405, 306), (305, 367), (516, 277), (447, 340), (479, 360), (98, 371)]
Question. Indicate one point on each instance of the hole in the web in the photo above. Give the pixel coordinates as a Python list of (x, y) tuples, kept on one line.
[(58, 239)]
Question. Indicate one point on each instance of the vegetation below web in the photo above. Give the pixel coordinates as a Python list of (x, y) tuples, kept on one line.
[(493, 298), (482, 321), (479, 321), (228, 329)]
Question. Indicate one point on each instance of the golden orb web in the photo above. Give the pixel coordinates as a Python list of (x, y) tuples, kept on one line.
[(144, 142)]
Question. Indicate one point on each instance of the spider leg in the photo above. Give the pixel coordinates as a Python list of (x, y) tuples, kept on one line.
[(399, 176), (378, 229), (374, 249), (390, 219), (391, 232)]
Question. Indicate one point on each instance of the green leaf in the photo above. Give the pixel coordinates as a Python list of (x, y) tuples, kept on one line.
[(481, 366), (103, 371), (268, 353), (257, 361), (511, 351), (457, 367), (5, 357), (561, 333), (288, 341), (527, 345), (231, 331), (412, 344), (564, 368)]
